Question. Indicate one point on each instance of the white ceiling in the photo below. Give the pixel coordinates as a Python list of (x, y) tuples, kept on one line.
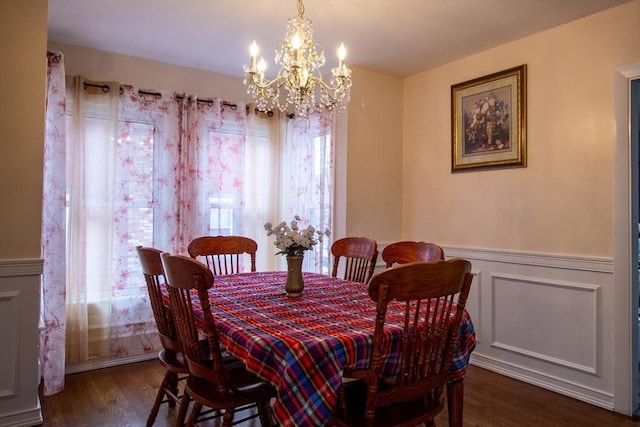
[(399, 37)]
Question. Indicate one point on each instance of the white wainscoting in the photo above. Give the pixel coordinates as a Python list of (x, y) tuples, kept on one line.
[(544, 319), (19, 335)]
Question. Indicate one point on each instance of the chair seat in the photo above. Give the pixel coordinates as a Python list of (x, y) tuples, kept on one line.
[(247, 388), (401, 414), (173, 362)]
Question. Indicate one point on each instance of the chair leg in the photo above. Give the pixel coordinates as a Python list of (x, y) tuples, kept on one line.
[(172, 388), (184, 407), (159, 397), (264, 412), (227, 418), (342, 401), (195, 413)]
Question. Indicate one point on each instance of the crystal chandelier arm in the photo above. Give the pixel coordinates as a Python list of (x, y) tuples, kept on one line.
[(280, 80), (318, 81)]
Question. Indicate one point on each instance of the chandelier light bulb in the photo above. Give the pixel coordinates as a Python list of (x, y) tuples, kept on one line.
[(342, 52), (262, 65), (253, 49), (296, 42), (253, 52)]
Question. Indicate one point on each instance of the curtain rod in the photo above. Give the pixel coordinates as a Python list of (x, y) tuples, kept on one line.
[(209, 101)]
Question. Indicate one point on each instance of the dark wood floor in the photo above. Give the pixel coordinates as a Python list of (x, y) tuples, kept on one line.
[(122, 396)]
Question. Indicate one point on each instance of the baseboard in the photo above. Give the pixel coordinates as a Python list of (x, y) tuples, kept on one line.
[(91, 365), (32, 417), (540, 379)]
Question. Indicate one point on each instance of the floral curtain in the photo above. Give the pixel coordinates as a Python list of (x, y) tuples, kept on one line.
[(152, 127), (54, 229), (146, 184)]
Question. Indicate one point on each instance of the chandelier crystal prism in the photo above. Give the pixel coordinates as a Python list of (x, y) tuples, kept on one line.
[(300, 60)]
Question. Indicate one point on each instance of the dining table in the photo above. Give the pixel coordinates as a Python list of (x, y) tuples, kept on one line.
[(303, 345)]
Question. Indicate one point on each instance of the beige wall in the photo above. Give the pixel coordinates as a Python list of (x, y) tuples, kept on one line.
[(374, 154), (371, 183), (23, 46), (562, 201), (23, 43)]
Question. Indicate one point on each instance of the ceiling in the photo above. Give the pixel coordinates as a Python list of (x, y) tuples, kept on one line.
[(397, 37)]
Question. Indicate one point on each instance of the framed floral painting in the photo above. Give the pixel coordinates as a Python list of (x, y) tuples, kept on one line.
[(488, 121)]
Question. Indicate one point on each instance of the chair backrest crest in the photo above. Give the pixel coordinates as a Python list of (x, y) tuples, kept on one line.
[(223, 254), (360, 255), (410, 251)]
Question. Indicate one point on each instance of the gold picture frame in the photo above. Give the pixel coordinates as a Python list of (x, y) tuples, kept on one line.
[(488, 121)]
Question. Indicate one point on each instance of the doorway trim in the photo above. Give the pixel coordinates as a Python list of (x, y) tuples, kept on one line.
[(625, 252)]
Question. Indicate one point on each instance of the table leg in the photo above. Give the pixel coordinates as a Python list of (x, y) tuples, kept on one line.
[(455, 394)]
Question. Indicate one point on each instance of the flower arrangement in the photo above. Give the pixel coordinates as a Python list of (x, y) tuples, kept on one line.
[(487, 125), (293, 241)]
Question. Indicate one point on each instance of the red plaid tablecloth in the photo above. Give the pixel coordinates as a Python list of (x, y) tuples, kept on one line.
[(302, 345)]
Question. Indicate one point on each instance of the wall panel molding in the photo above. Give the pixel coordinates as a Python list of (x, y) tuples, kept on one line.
[(8, 337), (546, 319), (574, 332)]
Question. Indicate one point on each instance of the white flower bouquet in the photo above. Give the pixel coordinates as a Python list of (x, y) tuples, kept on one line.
[(291, 240)]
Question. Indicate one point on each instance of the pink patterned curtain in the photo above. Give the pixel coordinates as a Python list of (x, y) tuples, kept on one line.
[(149, 141), (150, 169), (54, 229)]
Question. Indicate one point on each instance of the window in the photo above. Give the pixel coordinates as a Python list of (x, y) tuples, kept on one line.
[(159, 171)]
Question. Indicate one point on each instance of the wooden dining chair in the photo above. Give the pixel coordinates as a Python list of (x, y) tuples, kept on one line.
[(360, 255), (211, 382), (409, 251), (224, 254), (170, 356), (424, 295)]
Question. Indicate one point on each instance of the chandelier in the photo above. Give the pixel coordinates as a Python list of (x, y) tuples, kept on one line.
[(300, 60)]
